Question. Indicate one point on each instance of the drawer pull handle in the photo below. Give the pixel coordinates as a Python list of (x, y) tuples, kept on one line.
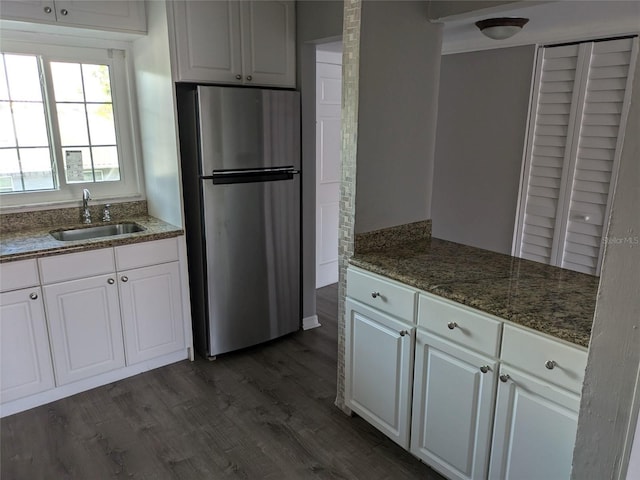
[(452, 325), (375, 294), (64, 12), (404, 332), (111, 281), (504, 378), (124, 278), (33, 296), (550, 364), (485, 368)]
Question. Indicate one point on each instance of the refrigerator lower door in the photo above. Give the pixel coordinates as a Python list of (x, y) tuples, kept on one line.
[(252, 236)]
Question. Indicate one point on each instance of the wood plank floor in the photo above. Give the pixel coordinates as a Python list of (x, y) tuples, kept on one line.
[(263, 413)]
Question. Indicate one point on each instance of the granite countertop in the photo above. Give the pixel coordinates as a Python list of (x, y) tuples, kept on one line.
[(549, 299), (37, 242)]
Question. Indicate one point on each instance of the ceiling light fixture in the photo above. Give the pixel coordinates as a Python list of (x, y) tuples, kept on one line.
[(501, 28)]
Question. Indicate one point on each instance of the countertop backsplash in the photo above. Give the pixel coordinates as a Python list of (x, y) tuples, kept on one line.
[(389, 237), (61, 217)]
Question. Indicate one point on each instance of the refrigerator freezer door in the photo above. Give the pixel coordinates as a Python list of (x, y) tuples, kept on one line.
[(253, 261), (248, 128)]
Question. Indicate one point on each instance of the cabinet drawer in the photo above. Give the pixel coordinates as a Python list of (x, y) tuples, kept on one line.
[(535, 353), (385, 295), (72, 266), (17, 275), (146, 254), (473, 329)]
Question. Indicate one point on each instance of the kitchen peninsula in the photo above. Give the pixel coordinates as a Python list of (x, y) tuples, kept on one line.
[(468, 358)]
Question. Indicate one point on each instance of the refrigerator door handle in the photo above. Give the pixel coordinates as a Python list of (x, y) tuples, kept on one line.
[(251, 175)]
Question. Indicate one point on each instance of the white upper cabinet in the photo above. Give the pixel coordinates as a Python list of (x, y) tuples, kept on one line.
[(226, 41), (118, 15)]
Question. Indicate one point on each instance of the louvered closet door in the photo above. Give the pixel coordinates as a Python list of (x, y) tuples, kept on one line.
[(582, 99)]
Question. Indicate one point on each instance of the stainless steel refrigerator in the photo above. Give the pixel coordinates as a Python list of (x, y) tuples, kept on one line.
[(240, 153)]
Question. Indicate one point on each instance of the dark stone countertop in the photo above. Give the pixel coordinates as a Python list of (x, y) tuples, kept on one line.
[(37, 242), (548, 299)]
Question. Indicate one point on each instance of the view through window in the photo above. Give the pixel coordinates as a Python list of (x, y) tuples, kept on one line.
[(56, 124)]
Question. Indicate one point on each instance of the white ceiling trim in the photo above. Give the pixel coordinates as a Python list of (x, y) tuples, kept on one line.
[(556, 22)]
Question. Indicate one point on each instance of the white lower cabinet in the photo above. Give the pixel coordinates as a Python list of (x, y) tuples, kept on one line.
[(151, 311), (379, 369), (25, 361), (453, 402), (535, 429), (464, 422), (91, 318), (84, 327)]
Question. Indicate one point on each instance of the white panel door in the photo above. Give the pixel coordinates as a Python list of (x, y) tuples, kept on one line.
[(534, 430), (84, 326), (379, 370), (268, 42), (208, 41), (151, 311), (328, 165), (453, 400), (25, 356)]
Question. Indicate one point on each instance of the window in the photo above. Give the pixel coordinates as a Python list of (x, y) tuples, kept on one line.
[(581, 100), (65, 124)]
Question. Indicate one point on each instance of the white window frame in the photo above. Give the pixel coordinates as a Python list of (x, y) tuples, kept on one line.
[(129, 187)]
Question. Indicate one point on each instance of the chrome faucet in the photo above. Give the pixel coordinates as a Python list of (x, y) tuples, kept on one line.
[(86, 214)]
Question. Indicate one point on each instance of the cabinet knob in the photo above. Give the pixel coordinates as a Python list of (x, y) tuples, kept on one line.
[(485, 368), (404, 332), (47, 10), (238, 77), (111, 281), (451, 325), (64, 12), (124, 278), (33, 296), (550, 364), (249, 78), (375, 294), (504, 378)]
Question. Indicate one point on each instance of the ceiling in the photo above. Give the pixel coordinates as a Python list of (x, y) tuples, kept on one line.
[(550, 22)]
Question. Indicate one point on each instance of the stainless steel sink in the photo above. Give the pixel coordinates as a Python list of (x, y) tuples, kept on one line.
[(96, 232)]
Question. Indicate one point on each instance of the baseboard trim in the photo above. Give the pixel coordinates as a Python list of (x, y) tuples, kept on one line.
[(63, 391), (310, 322)]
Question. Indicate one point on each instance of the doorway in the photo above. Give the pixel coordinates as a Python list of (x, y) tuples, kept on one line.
[(328, 163)]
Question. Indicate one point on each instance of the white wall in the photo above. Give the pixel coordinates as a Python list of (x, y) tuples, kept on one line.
[(610, 394), (482, 120), (316, 21), (399, 74), (157, 118)]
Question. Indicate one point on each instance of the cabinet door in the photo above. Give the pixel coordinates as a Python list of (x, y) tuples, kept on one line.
[(208, 45), (379, 370), (24, 345), (453, 399), (29, 10), (534, 431), (127, 15), (151, 311), (268, 42), (84, 326)]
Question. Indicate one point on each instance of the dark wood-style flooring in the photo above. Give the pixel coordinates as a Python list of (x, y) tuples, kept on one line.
[(262, 413)]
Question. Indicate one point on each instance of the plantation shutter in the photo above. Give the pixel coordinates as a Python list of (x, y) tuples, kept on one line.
[(582, 96)]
